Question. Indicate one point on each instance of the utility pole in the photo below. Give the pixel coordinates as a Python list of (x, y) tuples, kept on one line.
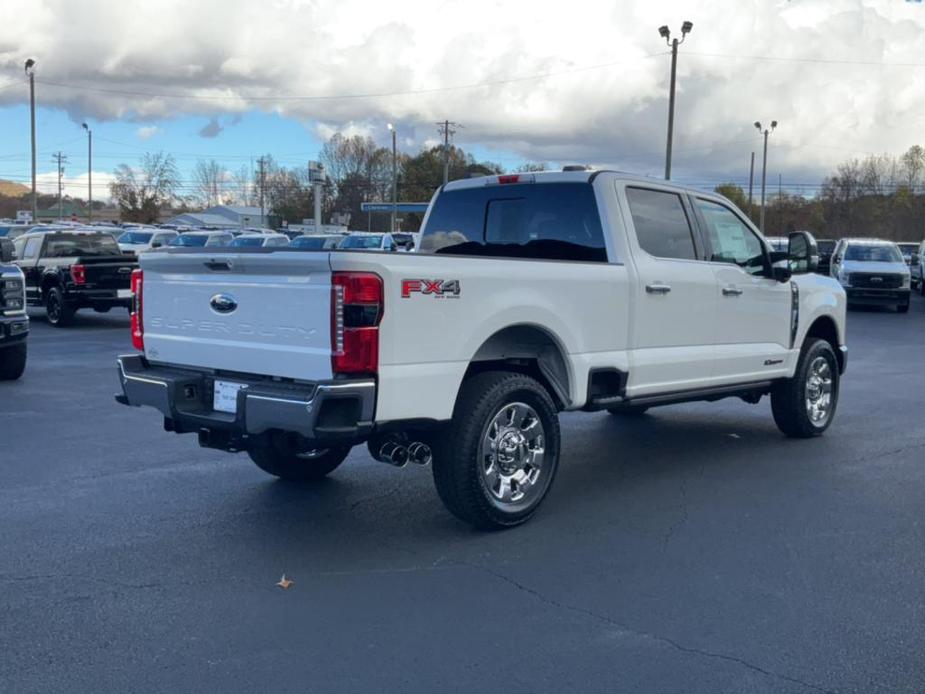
[(764, 168), (751, 180), (89, 173), (447, 128), (61, 159), (665, 33), (394, 177), (780, 207), (261, 182), (30, 70)]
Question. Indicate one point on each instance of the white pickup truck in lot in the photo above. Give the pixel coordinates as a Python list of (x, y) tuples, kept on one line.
[(530, 294)]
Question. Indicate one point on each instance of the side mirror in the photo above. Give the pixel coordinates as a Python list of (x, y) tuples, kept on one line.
[(915, 259), (7, 252), (780, 266), (156, 244), (803, 252)]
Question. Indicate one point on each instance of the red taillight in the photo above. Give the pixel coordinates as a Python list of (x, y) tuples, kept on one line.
[(356, 309), (506, 179), (138, 327), (79, 274)]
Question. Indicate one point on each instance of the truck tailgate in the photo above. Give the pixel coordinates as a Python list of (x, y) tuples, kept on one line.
[(107, 272), (256, 313)]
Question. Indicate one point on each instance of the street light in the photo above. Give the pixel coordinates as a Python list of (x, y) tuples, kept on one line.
[(394, 175), (30, 70), (89, 172), (764, 167), (665, 33)]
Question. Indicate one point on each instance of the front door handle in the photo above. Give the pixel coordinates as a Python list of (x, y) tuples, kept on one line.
[(657, 288), (732, 291)]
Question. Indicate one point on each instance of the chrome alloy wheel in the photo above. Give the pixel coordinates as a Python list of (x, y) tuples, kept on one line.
[(512, 455), (819, 391)]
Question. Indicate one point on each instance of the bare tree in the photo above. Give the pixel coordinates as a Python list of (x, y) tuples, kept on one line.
[(912, 164), (532, 166), (358, 164), (141, 192), (209, 182), (242, 185)]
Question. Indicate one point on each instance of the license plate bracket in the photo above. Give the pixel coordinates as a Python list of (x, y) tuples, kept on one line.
[(225, 396)]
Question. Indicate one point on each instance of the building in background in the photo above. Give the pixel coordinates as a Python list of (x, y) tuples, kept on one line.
[(224, 216)]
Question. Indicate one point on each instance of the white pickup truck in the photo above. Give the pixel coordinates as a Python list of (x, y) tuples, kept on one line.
[(530, 294)]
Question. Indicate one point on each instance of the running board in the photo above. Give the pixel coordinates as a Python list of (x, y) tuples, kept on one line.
[(749, 391)]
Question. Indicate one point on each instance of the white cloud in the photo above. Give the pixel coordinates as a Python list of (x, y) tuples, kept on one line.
[(611, 115), (146, 132), (75, 186), (348, 129)]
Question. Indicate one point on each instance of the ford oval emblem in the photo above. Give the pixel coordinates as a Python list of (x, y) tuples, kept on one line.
[(223, 303)]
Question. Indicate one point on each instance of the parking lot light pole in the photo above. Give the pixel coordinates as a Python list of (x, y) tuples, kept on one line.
[(89, 173), (30, 70), (394, 175), (764, 168), (665, 33)]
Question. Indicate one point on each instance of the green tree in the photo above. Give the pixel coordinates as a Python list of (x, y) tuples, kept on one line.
[(733, 193)]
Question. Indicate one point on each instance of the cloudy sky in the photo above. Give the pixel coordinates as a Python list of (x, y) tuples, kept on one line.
[(529, 79)]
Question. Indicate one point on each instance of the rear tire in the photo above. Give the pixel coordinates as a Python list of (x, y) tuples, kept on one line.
[(292, 466), (497, 460), (12, 362), (804, 406), (903, 308), (56, 309)]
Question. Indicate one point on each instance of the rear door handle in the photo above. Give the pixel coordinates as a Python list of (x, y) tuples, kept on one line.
[(657, 288), (732, 291)]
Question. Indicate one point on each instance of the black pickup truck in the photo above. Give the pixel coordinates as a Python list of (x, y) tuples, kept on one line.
[(70, 270), (14, 323)]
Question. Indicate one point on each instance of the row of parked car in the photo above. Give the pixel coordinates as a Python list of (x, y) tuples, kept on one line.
[(138, 238), (872, 271)]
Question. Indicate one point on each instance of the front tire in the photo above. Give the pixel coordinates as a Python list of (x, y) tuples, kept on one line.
[(903, 308), (12, 362), (804, 406), (293, 466), (56, 309), (497, 461)]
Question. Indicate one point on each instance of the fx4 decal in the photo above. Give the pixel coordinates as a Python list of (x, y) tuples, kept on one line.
[(439, 289)]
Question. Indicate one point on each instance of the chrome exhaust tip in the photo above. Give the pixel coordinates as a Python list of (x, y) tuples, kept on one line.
[(420, 453), (393, 453)]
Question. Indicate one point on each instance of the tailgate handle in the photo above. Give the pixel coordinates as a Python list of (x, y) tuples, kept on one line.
[(222, 265)]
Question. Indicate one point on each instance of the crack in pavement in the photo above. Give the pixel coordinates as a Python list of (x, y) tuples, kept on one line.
[(680, 521), (624, 629)]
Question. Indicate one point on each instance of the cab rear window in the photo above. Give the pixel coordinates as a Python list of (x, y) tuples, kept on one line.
[(73, 245), (549, 221)]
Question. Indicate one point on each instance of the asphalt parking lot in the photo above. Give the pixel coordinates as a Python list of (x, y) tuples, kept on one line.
[(692, 550)]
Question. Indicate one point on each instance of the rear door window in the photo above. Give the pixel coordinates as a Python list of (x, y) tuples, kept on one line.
[(548, 221), (663, 229)]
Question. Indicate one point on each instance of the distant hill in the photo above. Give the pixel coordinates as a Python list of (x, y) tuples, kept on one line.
[(13, 189)]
